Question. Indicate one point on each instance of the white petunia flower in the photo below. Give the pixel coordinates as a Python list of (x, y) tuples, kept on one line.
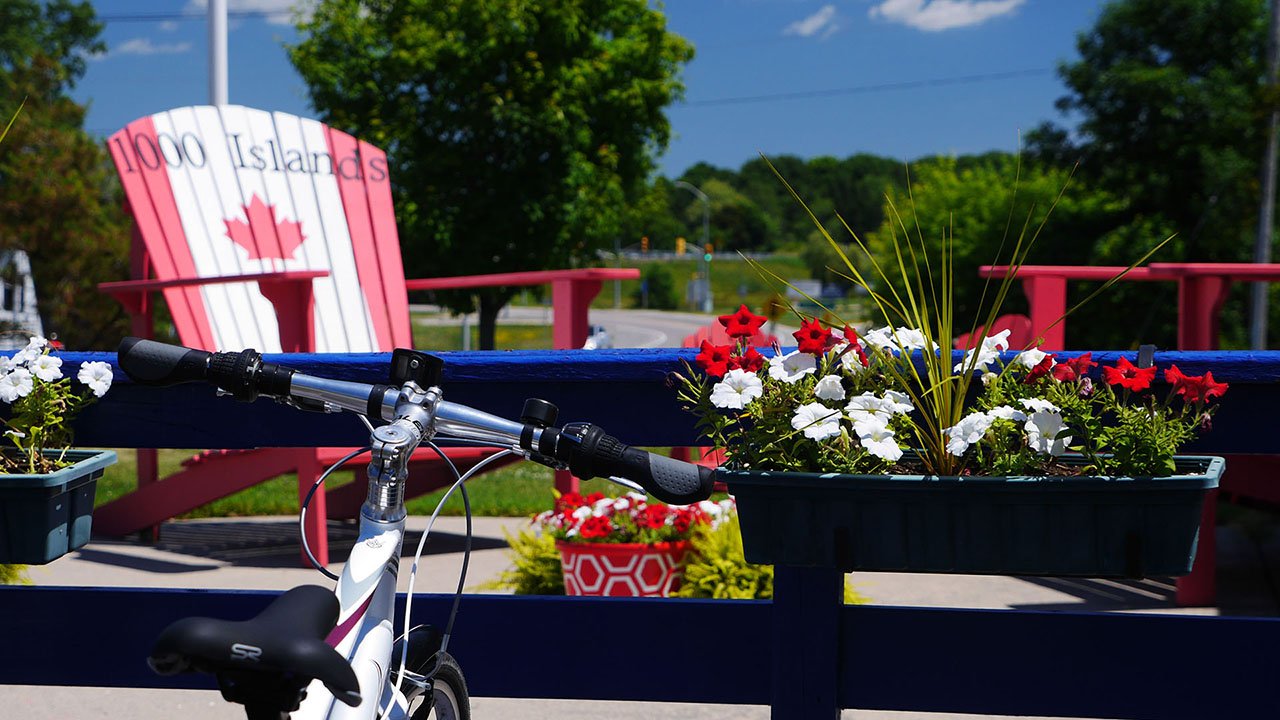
[(1031, 358), (851, 362), (582, 513), (829, 388), (1043, 429), (791, 367), (988, 352), (817, 421), (968, 431), (899, 403), (6, 364), (877, 438), (881, 338), (34, 349), (47, 367), (738, 388), (17, 383), (869, 407), (97, 375), (1039, 405), (1006, 412)]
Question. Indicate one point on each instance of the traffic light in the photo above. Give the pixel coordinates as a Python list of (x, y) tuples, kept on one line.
[(679, 246), (644, 244), (708, 249)]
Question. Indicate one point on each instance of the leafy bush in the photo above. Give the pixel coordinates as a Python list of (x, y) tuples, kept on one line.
[(661, 293), (716, 568), (14, 575), (536, 568)]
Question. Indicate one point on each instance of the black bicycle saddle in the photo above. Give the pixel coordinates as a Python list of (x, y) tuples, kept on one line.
[(283, 645)]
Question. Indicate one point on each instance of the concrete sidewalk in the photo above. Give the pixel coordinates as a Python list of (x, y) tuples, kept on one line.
[(262, 553)]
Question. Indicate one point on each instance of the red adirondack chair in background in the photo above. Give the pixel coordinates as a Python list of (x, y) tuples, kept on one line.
[(269, 231)]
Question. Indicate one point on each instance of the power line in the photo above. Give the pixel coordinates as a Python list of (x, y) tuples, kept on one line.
[(879, 87)]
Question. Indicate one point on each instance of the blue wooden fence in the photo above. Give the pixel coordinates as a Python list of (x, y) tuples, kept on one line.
[(803, 653)]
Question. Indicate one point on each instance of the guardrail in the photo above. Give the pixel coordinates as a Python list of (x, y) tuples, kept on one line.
[(803, 653)]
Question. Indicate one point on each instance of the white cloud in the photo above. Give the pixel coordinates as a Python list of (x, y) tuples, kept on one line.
[(822, 24), (144, 46), (935, 15), (168, 26), (276, 12)]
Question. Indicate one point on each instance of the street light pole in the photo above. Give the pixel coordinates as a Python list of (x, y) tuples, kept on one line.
[(706, 239)]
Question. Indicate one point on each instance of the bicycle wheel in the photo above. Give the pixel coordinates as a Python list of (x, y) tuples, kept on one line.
[(449, 699)]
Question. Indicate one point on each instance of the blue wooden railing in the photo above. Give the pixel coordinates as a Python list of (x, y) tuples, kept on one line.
[(803, 653)]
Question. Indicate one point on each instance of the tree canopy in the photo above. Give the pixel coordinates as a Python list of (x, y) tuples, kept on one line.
[(73, 229), (1171, 102), (517, 131)]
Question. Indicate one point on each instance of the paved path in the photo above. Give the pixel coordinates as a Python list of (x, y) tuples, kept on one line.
[(261, 553)]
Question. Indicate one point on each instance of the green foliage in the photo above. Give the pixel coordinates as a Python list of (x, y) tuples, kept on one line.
[(14, 575), (1170, 97), (716, 568), (536, 566), (661, 293), (43, 406), (979, 209), (517, 131), (74, 229)]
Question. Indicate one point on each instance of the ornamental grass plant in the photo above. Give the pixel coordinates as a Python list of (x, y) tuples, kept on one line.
[(894, 399)]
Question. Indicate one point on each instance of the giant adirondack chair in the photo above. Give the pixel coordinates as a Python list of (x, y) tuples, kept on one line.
[(269, 231)]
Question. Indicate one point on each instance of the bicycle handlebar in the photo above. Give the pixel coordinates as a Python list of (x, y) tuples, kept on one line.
[(586, 449)]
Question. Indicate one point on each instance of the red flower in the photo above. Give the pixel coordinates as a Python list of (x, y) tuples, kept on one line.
[(742, 323), (593, 498), (595, 528), (714, 359), (1129, 376), (812, 337), (751, 361), (1040, 370), (569, 501), (652, 517), (1194, 388), (1075, 368)]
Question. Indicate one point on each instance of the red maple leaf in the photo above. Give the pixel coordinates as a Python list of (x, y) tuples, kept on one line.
[(264, 236)]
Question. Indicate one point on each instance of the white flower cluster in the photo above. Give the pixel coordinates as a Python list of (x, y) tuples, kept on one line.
[(1042, 422), (19, 373), (867, 416)]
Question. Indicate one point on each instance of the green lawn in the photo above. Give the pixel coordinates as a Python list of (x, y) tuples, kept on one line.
[(506, 337), (730, 277), (516, 490)]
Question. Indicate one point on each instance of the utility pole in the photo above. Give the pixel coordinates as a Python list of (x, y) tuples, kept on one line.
[(1266, 211), (217, 52)]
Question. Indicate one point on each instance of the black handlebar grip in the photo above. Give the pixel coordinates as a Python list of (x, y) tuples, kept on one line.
[(148, 362), (670, 480), (590, 452)]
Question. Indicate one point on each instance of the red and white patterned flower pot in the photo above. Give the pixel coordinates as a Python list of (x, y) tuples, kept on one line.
[(622, 569)]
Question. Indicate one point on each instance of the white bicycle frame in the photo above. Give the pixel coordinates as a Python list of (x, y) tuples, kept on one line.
[(365, 632)]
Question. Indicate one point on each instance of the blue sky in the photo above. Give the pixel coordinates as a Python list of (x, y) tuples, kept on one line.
[(899, 78)]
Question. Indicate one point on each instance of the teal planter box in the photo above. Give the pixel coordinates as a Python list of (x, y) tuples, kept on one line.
[(43, 517), (1086, 526)]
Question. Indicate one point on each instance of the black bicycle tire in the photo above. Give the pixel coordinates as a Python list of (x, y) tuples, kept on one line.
[(450, 685)]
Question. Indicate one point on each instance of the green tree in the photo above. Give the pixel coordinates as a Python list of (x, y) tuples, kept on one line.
[(986, 206), (59, 199), (1171, 106), (517, 131)]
